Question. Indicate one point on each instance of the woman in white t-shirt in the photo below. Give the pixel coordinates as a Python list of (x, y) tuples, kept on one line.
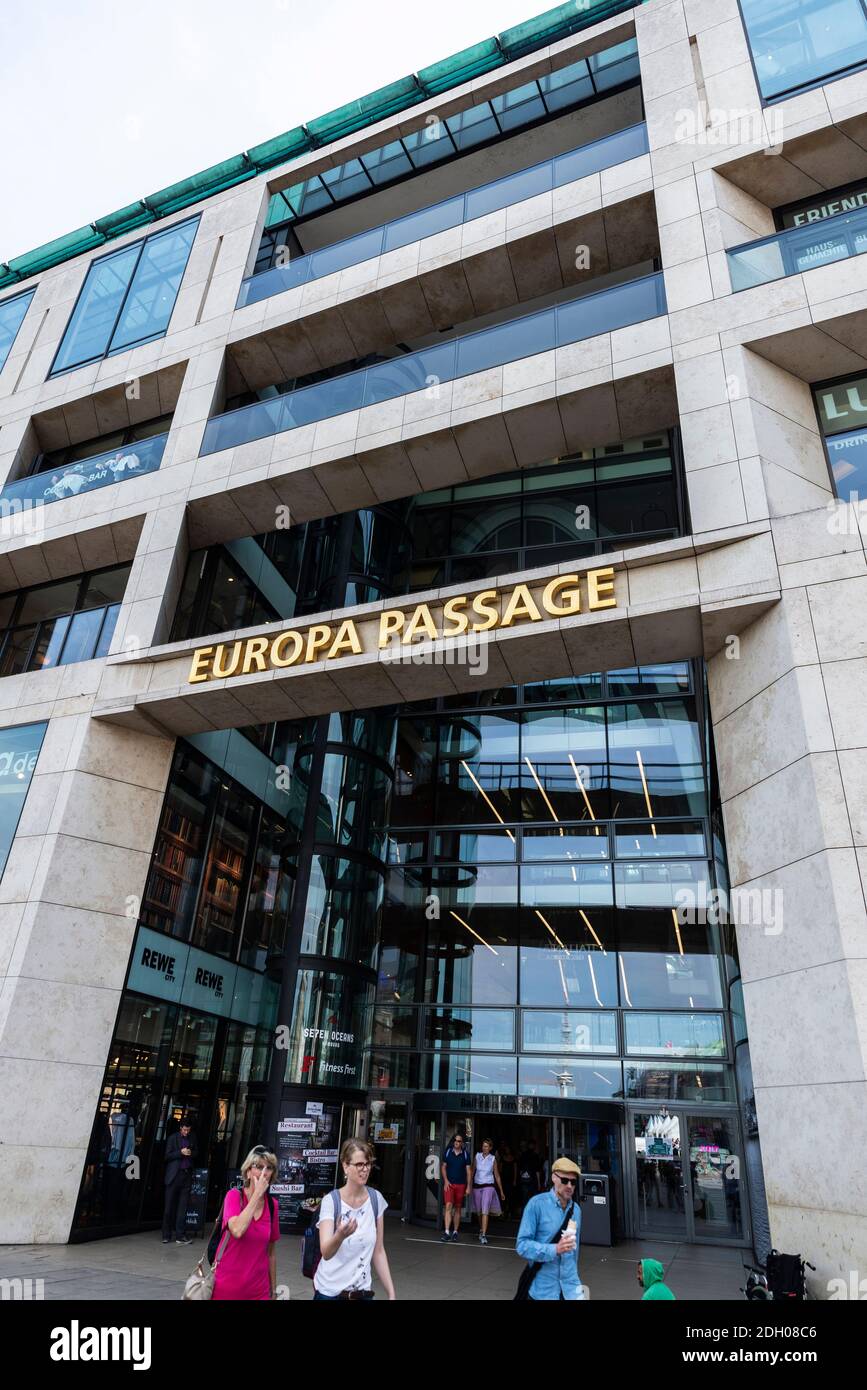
[(356, 1244), (486, 1185)]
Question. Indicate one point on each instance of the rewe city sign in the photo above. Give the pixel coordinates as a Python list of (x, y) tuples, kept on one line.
[(462, 615)]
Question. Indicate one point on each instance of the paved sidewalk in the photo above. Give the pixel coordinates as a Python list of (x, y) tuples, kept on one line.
[(140, 1267)]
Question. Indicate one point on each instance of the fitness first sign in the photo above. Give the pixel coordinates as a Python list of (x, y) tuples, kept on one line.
[(463, 615)]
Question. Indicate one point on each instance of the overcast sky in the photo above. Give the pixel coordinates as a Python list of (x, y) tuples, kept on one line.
[(105, 101)]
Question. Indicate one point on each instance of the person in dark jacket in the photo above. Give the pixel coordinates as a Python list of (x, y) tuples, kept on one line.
[(181, 1151)]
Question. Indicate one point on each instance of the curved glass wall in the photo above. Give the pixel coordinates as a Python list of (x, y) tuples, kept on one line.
[(533, 940)]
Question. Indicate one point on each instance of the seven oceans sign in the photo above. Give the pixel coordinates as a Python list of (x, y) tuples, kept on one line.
[(484, 612)]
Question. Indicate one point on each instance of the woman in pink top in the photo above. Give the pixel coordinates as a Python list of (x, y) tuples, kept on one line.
[(247, 1268)]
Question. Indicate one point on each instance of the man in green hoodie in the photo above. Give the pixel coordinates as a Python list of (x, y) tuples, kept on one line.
[(650, 1274)]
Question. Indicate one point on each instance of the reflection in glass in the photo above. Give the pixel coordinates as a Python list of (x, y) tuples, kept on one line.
[(452, 1029), (472, 945), (570, 1079), (483, 1074), (675, 1034), (567, 1030), (714, 1161)]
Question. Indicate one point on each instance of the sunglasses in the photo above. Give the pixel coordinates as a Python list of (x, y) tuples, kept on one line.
[(570, 1181)]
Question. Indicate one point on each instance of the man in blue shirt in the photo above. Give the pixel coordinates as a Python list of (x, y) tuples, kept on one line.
[(457, 1175), (539, 1238)]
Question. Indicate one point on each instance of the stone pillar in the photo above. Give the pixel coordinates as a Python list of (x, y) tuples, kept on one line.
[(789, 709), (69, 903)]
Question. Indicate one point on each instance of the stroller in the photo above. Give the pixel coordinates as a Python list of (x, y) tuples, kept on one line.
[(783, 1277)]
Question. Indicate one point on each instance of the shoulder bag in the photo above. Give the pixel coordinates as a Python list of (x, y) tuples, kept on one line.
[(529, 1272)]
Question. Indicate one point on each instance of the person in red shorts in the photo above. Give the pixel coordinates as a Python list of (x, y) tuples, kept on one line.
[(457, 1174)]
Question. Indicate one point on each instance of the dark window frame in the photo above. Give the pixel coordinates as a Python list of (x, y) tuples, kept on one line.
[(8, 631)]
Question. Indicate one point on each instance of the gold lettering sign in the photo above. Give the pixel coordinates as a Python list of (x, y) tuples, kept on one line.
[(485, 611)]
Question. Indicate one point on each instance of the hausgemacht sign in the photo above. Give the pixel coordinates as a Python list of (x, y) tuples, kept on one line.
[(460, 616)]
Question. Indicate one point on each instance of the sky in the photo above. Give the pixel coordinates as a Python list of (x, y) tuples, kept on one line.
[(105, 101)]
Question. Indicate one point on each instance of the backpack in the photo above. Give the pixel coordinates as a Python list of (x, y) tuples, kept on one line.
[(311, 1252), (219, 1228)]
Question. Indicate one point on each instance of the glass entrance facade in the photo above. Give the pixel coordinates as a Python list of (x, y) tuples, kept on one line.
[(497, 898)]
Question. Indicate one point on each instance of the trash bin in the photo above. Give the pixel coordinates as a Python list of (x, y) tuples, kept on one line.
[(595, 1197)]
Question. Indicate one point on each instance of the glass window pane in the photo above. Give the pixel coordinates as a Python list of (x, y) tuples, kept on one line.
[(386, 163), (107, 587), (483, 1075), (569, 1079), (49, 644), (430, 145), (154, 287), (108, 628), (487, 1029), (666, 964), (656, 760), (472, 946), (469, 128), (89, 330), (479, 772), (395, 1027), (702, 1081), (716, 1190), (655, 841), (347, 180), (49, 601), (16, 650), (847, 454), (519, 107), (19, 750), (564, 772), (12, 313), (172, 884), (567, 941), (567, 1030), (401, 936), (795, 42), (84, 631), (568, 842), (675, 1035), (475, 846)]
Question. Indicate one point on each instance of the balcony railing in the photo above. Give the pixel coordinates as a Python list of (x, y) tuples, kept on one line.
[(451, 212), (115, 466), (797, 249), (632, 302)]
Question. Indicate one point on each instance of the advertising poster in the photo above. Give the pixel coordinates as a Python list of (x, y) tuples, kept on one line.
[(307, 1150)]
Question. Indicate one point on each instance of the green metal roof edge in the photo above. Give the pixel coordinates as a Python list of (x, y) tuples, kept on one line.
[(403, 94)]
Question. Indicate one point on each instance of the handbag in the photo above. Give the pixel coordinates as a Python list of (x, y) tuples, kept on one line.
[(199, 1288), (529, 1272)]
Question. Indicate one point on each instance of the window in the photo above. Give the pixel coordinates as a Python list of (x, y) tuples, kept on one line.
[(796, 43), (127, 298), (842, 410), (19, 749), (12, 313), (56, 624)]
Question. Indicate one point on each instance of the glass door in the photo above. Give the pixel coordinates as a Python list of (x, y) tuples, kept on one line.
[(718, 1210), (429, 1147), (687, 1176), (386, 1131), (659, 1175)]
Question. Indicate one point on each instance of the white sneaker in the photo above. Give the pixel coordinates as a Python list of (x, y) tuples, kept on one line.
[(483, 1240)]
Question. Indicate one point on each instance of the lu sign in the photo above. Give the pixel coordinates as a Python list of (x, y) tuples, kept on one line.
[(565, 596)]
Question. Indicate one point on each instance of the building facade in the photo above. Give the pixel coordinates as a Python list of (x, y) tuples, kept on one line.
[(433, 653)]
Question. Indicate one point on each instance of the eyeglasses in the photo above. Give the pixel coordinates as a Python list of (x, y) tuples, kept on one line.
[(365, 1164), (570, 1181)]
